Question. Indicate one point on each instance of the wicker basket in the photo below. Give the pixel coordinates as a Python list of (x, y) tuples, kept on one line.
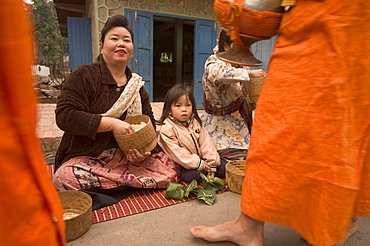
[(235, 175), (144, 140), (263, 24), (254, 87), (77, 207)]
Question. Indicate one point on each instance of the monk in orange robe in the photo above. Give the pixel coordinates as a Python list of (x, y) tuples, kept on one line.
[(309, 158), (31, 212)]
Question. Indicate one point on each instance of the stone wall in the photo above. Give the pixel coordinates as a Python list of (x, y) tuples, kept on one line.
[(202, 9), (190, 8)]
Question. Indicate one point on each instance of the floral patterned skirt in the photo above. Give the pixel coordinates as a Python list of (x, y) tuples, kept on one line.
[(227, 131), (111, 169)]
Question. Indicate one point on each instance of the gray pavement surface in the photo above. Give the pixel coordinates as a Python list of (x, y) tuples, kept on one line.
[(170, 226)]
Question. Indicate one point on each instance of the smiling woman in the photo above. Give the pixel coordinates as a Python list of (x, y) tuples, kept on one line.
[(94, 102), (116, 49)]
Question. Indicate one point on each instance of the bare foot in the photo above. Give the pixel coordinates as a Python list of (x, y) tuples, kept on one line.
[(352, 229), (353, 226), (242, 231)]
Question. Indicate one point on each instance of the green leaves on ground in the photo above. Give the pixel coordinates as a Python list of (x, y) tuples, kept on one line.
[(208, 194), (175, 191), (192, 187), (212, 183)]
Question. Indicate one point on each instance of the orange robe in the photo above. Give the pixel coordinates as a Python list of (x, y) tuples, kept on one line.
[(309, 158), (31, 213)]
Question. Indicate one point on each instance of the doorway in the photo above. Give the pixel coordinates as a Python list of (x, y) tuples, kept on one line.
[(173, 54)]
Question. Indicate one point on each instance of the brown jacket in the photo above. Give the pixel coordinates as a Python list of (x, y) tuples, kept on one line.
[(188, 147), (86, 93)]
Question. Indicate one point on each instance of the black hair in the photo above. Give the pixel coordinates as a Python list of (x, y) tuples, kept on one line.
[(114, 21), (173, 95), (222, 40)]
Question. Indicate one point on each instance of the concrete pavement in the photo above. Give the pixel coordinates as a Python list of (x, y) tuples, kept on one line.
[(170, 226)]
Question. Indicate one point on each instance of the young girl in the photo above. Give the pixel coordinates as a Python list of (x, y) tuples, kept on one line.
[(184, 139)]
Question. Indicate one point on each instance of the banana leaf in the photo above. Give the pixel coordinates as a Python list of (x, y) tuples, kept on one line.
[(192, 187), (175, 191), (212, 183), (208, 196)]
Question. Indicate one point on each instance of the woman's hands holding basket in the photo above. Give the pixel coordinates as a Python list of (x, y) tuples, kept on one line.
[(115, 125), (255, 73), (134, 155), (135, 146), (122, 127)]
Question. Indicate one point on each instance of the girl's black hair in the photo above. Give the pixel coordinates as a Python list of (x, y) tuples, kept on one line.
[(222, 40), (114, 21), (173, 95)]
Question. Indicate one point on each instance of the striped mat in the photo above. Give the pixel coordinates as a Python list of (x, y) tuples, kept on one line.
[(233, 154), (141, 200)]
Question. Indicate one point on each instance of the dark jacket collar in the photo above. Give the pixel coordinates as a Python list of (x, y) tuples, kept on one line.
[(107, 77)]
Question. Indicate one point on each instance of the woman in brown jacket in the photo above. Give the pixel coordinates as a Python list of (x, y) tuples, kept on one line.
[(94, 101)]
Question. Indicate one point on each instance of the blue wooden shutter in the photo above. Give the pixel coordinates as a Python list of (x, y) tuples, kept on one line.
[(262, 50), (141, 63), (204, 42), (79, 41)]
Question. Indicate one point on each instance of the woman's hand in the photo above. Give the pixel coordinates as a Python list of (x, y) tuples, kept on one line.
[(134, 155), (254, 73), (115, 125), (122, 128), (205, 167)]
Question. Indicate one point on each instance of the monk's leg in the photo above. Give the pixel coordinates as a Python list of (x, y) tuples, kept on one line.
[(351, 229), (242, 231)]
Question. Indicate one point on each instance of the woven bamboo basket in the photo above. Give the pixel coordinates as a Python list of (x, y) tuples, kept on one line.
[(77, 207), (263, 24), (235, 175), (254, 87), (144, 140)]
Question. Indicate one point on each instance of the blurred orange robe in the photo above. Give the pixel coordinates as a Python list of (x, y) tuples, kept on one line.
[(31, 213), (309, 159)]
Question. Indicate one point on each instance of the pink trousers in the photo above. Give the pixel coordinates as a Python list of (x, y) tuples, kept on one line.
[(111, 169)]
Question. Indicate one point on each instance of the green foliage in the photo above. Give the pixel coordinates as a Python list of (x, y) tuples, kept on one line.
[(210, 184), (190, 188), (175, 191), (51, 46), (208, 196)]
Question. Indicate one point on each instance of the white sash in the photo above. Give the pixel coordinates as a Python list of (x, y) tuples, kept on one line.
[(129, 99)]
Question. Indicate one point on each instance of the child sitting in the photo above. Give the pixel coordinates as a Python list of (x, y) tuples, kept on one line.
[(184, 139)]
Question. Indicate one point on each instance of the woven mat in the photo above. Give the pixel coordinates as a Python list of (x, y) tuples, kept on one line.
[(141, 200)]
